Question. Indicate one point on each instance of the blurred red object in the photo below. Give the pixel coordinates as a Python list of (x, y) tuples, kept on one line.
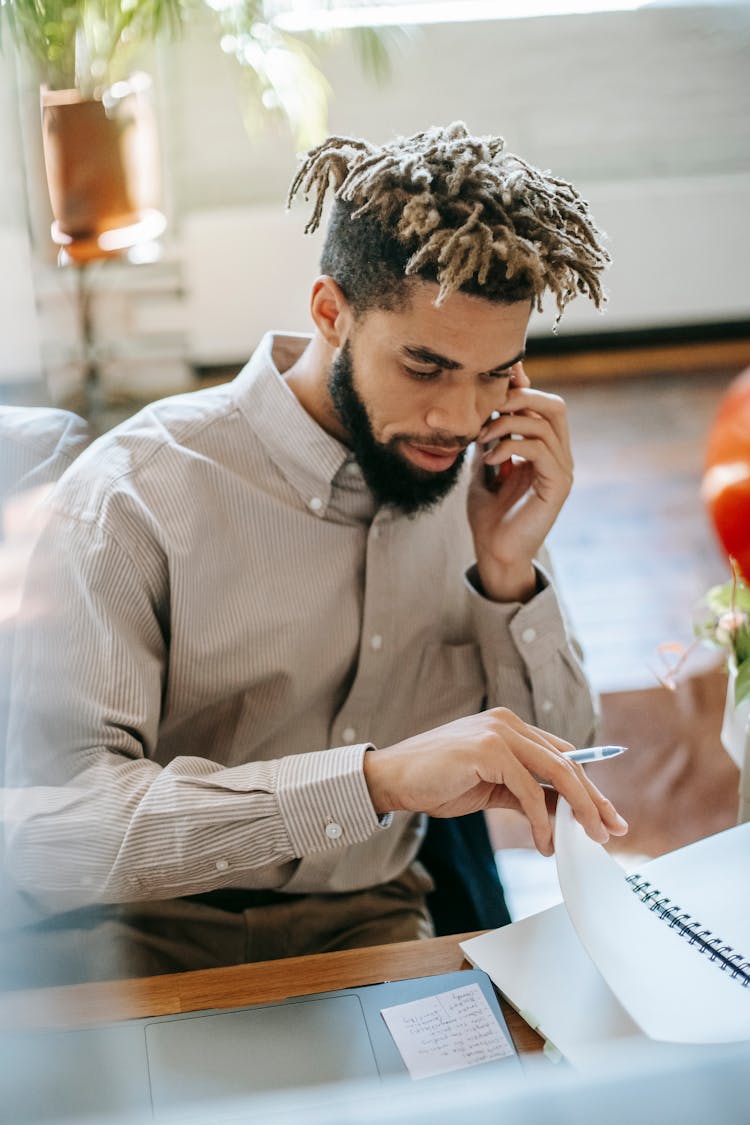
[(726, 480)]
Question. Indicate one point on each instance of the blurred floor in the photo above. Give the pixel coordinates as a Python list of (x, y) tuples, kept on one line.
[(633, 546)]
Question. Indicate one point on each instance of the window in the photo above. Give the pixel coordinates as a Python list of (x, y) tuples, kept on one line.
[(300, 15)]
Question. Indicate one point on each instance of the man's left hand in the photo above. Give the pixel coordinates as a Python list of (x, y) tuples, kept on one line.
[(511, 517)]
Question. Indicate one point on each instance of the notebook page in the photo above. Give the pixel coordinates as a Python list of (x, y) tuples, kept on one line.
[(670, 990), (711, 880)]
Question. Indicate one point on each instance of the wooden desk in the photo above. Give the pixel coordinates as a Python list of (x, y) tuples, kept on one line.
[(262, 982)]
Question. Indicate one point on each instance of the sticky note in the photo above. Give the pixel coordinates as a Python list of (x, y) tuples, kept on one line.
[(445, 1032)]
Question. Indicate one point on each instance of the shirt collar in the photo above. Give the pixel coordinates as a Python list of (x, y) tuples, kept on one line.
[(308, 457)]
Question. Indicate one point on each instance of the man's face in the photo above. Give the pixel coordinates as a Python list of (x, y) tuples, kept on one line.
[(412, 389)]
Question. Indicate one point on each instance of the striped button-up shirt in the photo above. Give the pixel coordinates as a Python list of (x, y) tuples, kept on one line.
[(220, 623)]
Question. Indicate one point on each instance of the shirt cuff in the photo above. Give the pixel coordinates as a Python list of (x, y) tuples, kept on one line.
[(324, 799), (534, 630)]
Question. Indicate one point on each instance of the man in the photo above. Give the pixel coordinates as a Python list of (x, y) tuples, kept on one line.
[(287, 616)]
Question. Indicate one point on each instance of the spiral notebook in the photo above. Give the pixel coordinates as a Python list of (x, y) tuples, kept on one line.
[(703, 940), (663, 953)]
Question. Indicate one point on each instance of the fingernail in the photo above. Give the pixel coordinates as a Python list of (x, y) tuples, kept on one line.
[(621, 822)]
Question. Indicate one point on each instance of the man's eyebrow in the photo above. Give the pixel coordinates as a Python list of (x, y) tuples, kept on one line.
[(426, 355)]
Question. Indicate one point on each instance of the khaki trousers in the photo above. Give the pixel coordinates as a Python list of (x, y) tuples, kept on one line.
[(148, 938)]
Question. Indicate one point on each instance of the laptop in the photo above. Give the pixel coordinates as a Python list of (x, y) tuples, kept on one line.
[(157, 1067)]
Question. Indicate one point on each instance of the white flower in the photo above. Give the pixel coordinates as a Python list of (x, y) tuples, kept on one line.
[(729, 625)]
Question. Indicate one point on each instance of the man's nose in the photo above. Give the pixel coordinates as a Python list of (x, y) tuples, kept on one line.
[(456, 410)]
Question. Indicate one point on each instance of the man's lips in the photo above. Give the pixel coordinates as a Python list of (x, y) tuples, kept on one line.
[(434, 458)]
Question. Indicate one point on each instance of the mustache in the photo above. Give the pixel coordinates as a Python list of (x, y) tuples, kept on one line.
[(436, 440)]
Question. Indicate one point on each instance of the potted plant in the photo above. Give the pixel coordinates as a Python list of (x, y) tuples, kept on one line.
[(726, 492), (98, 124)]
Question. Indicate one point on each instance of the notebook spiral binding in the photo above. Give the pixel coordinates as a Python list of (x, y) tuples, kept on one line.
[(727, 959)]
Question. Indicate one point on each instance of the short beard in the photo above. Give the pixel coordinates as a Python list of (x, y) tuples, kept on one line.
[(390, 478)]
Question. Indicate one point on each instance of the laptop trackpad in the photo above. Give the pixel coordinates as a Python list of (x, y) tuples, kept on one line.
[(232, 1054)]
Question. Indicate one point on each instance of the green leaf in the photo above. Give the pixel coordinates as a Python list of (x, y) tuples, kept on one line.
[(742, 683), (742, 644), (376, 48), (373, 53), (719, 598)]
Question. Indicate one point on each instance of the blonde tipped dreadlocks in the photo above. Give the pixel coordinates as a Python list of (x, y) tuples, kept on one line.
[(463, 210)]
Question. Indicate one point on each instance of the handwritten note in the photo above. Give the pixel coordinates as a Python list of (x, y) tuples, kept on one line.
[(446, 1032)]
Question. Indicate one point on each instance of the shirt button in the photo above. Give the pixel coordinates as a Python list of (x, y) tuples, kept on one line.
[(333, 830), (348, 734), (222, 864), (547, 706), (528, 635), (316, 504), (376, 642), (352, 468)]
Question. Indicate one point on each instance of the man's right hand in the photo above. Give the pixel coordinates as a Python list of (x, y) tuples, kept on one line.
[(492, 760)]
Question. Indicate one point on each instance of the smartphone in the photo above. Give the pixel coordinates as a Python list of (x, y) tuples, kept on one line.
[(494, 475)]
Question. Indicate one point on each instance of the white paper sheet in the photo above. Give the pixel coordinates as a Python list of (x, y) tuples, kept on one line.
[(543, 970), (449, 1031), (670, 990), (542, 967)]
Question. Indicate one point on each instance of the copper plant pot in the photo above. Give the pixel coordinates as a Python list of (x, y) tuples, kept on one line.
[(102, 162)]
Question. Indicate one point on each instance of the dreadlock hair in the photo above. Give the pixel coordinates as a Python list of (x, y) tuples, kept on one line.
[(449, 207)]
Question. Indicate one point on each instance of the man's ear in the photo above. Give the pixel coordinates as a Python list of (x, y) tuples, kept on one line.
[(330, 311)]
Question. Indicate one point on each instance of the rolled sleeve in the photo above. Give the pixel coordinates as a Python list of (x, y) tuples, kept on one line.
[(534, 629), (531, 661), (324, 799)]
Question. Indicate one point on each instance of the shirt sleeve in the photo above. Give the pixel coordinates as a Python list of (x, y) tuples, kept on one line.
[(91, 815), (532, 661)]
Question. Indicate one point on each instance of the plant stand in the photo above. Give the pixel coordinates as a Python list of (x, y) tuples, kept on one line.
[(92, 376)]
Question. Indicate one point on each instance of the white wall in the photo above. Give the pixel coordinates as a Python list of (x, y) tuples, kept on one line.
[(19, 330), (621, 95)]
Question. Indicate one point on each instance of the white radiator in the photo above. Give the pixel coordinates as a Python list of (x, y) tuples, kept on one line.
[(680, 249)]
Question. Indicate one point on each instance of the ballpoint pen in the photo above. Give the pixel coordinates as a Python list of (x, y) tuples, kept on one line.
[(593, 753), (589, 754)]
